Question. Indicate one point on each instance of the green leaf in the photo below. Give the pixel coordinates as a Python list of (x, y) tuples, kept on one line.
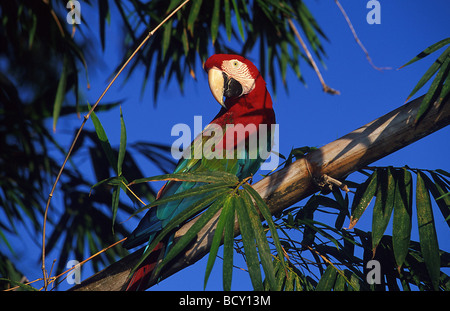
[(439, 190), (401, 228), (215, 19), (104, 15), (60, 92), (438, 80), (228, 26), (261, 240), (363, 197), (22, 286), (104, 142), (206, 176), (123, 144), (445, 91), (189, 212), (430, 72), (199, 190), (427, 232), (185, 42), (227, 209), (167, 34), (228, 250), (238, 20), (264, 209), (195, 10), (248, 239), (192, 232), (115, 204), (432, 48), (443, 172), (326, 282), (383, 207)]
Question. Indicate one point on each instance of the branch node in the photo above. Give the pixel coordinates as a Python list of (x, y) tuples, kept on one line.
[(326, 183)]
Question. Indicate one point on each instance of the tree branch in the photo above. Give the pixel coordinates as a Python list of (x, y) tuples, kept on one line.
[(287, 186)]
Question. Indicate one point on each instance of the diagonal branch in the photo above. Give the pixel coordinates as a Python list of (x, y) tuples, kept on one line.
[(287, 186)]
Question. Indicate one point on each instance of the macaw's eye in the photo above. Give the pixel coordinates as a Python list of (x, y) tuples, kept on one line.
[(235, 63)]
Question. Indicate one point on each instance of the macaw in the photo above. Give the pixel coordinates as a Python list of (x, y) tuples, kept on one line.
[(247, 104)]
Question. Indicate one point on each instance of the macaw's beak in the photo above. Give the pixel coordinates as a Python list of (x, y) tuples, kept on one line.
[(221, 85), (216, 83)]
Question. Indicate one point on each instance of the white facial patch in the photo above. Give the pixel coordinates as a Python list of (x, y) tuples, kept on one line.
[(240, 72)]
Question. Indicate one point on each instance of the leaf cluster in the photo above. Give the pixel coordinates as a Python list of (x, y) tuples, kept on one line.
[(221, 193), (439, 89), (174, 52), (331, 252)]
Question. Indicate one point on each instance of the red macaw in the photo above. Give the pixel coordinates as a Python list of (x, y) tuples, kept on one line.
[(247, 105)]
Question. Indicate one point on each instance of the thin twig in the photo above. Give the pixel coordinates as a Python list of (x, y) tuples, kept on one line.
[(87, 259), (53, 279), (325, 87), (357, 39), (330, 263), (325, 181), (52, 12), (138, 198), (86, 117)]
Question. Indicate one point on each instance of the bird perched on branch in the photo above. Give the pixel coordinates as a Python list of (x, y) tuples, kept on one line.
[(246, 116)]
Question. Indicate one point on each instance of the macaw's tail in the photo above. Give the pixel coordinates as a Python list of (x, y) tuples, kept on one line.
[(140, 279)]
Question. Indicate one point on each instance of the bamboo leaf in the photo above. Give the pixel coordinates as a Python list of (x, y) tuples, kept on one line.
[(363, 197), (443, 172), (228, 250), (326, 282), (432, 48), (215, 19), (189, 212), (261, 240), (104, 142), (23, 287), (199, 190), (427, 231), (445, 91), (264, 209), (248, 239), (193, 14), (439, 191), (206, 176), (113, 181), (383, 207), (123, 144), (115, 204), (218, 234), (238, 20), (438, 80), (60, 92), (228, 26), (192, 232), (104, 16), (167, 34), (401, 229), (430, 72)]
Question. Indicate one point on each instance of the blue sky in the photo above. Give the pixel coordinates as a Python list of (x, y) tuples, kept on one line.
[(306, 115)]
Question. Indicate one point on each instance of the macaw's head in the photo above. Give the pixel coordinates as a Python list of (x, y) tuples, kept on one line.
[(232, 76)]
